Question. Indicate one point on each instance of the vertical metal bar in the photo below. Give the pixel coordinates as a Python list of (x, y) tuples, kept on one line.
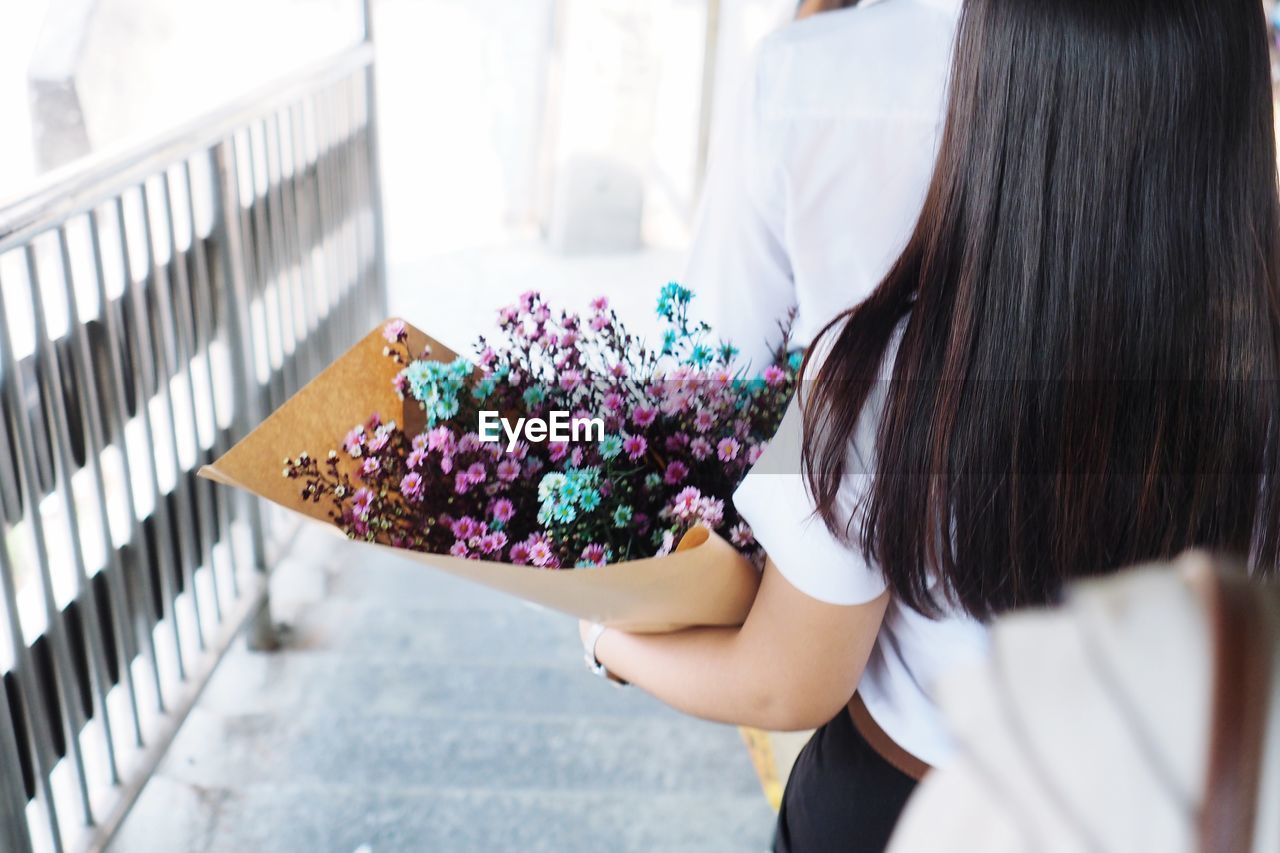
[(204, 331), (324, 226), (277, 386), (40, 738), (186, 538), (262, 634), (120, 417), (290, 175), (145, 381), (375, 167), (55, 409), (91, 425), (72, 717), (15, 835), (180, 314), (281, 260)]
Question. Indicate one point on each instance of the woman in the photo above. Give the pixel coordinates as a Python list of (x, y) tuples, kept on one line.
[(818, 177), (1072, 367)]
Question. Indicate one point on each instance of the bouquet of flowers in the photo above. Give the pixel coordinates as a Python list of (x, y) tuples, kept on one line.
[(566, 443), (675, 431)]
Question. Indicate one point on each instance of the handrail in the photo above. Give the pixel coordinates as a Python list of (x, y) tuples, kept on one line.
[(89, 181)]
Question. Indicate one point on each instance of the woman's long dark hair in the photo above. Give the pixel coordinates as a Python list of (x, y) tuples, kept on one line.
[(1090, 312)]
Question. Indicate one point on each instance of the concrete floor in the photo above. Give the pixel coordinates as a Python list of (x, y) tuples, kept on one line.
[(414, 712)]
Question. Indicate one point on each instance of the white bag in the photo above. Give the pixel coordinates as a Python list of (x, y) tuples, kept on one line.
[(1143, 715)]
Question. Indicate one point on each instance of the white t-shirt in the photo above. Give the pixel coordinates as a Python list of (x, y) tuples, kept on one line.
[(817, 180), (912, 652)]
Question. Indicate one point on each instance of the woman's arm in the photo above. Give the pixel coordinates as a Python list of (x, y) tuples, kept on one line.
[(793, 665)]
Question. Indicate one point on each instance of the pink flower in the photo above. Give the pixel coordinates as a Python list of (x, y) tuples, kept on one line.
[(644, 416), (446, 464), (600, 304), (754, 453), (613, 401), (557, 450), (599, 323), (686, 503), (594, 554), (507, 314), (774, 375), (370, 468), (570, 379), (400, 384), (487, 357), (675, 473), (461, 484), (700, 448), (466, 527), (568, 339), (728, 449), (415, 460), (476, 473), (492, 543), (470, 443), (635, 446), (459, 549), (420, 443), (395, 331), (380, 438), (540, 553), (520, 554), (354, 442), (361, 503), (677, 442), (440, 439), (619, 371), (711, 512), (576, 457), (503, 510), (704, 420), (411, 486), (508, 470), (741, 535), (527, 299)]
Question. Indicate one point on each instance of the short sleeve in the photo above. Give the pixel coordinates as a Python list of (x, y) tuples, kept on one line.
[(774, 500), (738, 262)]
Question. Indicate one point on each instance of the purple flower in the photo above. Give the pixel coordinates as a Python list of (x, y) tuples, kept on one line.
[(594, 554), (476, 473), (600, 304), (599, 323), (675, 473), (711, 511), (395, 332), (503, 510), (685, 505), (613, 401), (677, 442), (635, 446), (371, 467), (570, 379), (728, 449), (774, 375), (492, 543), (487, 357), (700, 448), (557, 450), (446, 464), (741, 535), (754, 453), (470, 443), (459, 549), (415, 460), (508, 470), (420, 443), (704, 420), (411, 486), (644, 416), (576, 457), (440, 439), (461, 484), (520, 554)]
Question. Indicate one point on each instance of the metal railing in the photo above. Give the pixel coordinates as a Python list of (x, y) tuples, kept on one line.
[(154, 305)]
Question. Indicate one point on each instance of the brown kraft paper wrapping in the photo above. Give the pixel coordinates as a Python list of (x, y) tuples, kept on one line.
[(704, 582)]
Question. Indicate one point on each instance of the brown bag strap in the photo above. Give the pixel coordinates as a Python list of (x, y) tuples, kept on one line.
[(1241, 685), (885, 746)]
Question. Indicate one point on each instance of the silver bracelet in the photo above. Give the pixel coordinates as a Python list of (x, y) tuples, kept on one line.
[(593, 662)]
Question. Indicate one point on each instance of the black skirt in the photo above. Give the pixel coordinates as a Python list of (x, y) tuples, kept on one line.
[(841, 796)]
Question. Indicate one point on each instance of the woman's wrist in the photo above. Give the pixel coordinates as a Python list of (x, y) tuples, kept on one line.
[(593, 637)]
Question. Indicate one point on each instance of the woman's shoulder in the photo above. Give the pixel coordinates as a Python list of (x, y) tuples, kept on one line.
[(888, 57)]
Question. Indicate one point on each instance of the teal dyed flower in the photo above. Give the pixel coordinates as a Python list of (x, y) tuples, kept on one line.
[(571, 491), (668, 342), (534, 396), (728, 352), (701, 355), (652, 481), (590, 500), (563, 513), (671, 297), (610, 446), (795, 360), (622, 516)]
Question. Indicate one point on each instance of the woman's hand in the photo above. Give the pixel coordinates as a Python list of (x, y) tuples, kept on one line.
[(793, 665)]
